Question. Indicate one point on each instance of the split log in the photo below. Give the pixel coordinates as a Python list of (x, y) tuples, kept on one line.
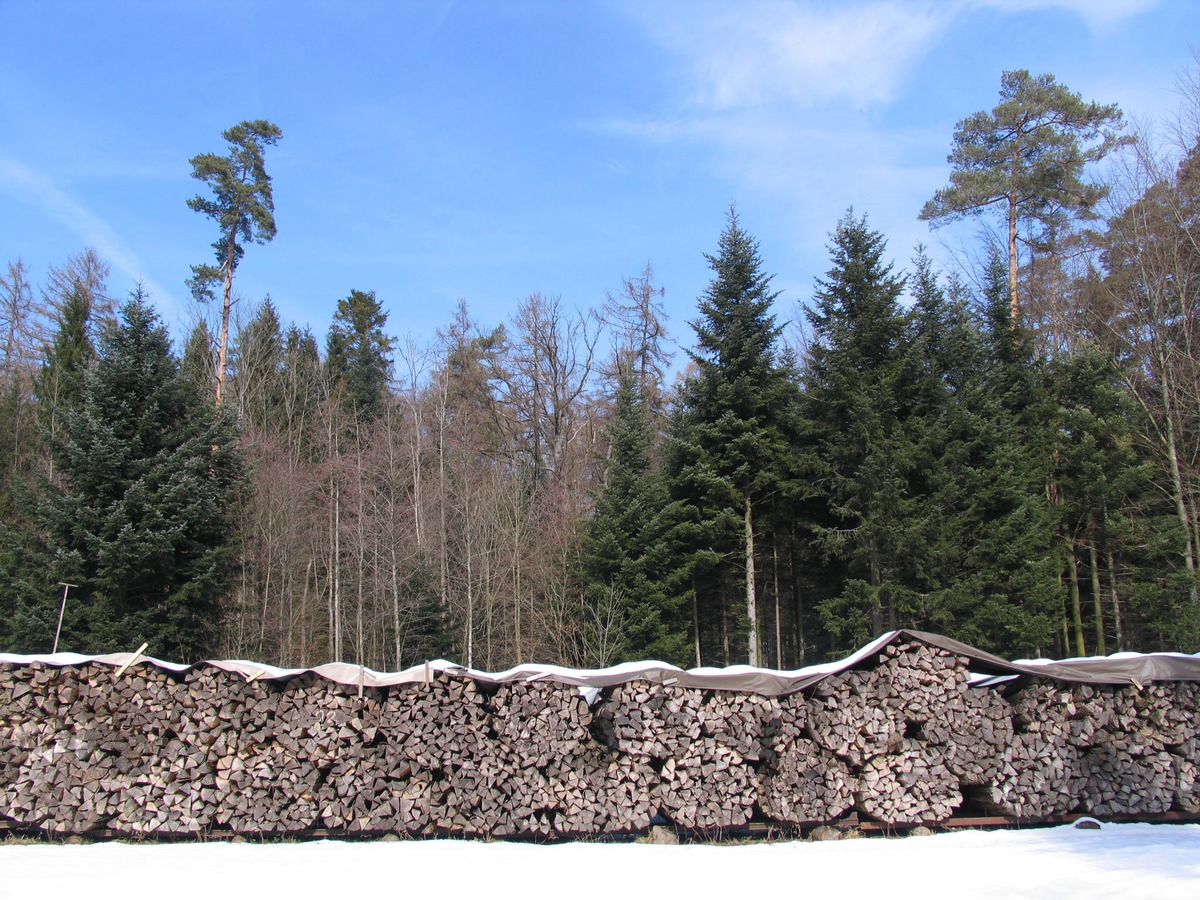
[(708, 787), (907, 787), (1125, 778), (806, 784), (648, 720), (541, 721), (437, 724), (748, 724), (1040, 776)]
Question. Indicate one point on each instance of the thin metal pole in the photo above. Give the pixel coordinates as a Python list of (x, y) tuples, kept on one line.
[(61, 610)]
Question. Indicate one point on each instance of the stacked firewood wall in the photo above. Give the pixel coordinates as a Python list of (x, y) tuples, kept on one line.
[(902, 739)]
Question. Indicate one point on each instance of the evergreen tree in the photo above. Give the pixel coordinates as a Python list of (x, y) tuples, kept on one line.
[(143, 521), (301, 379), (1026, 157), (731, 440), (860, 387), (1003, 583), (358, 356), (242, 205), (199, 363), (946, 358), (257, 376), (60, 381), (628, 613)]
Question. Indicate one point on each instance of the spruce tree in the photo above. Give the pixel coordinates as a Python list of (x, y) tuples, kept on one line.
[(731, 440), (199, 363), (257, 376), (946, 360), (358, 357), (143, 521), (629, 613), (1004, 591), (859, 396)]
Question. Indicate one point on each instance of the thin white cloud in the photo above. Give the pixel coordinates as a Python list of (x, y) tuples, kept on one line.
[(37, 190), (805, 54), (784, 94), (1099, 14)]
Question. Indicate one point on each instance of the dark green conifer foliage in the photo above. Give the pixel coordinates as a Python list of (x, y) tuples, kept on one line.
[(860, 387), (946, 358), (300, 391), (1004, 595), (358, 356), (60, 381), (143, 521), (32, 428), (199, 363), (257, 376), (734, 427), (243, 206), (1111, 515), (629, 613)]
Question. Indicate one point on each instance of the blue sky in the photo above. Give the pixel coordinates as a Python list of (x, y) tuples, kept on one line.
[(437, 151)]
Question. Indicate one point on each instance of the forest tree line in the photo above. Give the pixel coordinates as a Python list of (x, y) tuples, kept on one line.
[(1008, 454)]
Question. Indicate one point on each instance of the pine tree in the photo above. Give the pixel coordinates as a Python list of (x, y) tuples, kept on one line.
[(731, 438), (243, 206), (143, 521), (1026, 157)]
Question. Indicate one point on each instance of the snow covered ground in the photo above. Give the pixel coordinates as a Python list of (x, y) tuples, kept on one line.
[(1150, 861)]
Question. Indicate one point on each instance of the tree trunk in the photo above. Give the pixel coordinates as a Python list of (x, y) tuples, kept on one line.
[(1115, 599), (751, 598), (1097, 600), (226, 305), (778, 610), (1015, 309), (1064, 625), (1076, 608), (877, 618), (1181, 510)]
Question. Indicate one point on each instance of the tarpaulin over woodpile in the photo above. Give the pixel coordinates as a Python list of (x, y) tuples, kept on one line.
[(1119, 669)]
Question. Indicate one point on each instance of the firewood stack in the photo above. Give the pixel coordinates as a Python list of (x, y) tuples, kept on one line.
[(908, 785), (900, 739), (806, 784), (911, 730), (1103, 750), (653, 721), (561, 783)]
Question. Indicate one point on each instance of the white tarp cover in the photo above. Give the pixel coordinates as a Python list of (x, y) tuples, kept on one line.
[(1120, 669)]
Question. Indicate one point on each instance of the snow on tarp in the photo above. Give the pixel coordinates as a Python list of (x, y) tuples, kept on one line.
[(1121, 669)]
